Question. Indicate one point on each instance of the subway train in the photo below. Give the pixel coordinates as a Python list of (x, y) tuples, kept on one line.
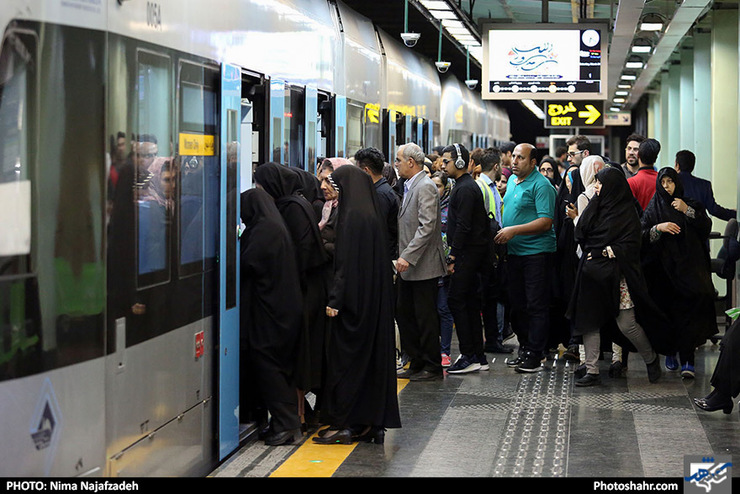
[(128, 129)]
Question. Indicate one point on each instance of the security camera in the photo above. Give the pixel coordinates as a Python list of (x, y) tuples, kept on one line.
[(442, 66), (410, 39), (471, 83)]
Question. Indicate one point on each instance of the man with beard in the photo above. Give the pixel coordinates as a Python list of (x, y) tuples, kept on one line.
[(631, 165)]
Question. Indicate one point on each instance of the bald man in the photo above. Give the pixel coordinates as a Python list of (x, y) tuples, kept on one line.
[(530, 239)]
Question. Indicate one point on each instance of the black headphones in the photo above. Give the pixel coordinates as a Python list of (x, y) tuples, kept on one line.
[(459, 162)]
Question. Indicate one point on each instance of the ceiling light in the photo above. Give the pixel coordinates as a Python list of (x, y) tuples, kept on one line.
[(621, 93), (628, 77), (443, 14), (435, 5), (532, 106), (651, 22), (450, 23), (640, 48), (619, 100), (457, 30), (624, 86), (634, 64), (614, 108)]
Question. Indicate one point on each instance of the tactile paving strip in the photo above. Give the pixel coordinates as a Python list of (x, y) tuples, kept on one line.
[(535, 442)]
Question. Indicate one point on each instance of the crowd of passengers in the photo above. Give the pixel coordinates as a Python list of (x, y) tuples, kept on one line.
[(360, 274)]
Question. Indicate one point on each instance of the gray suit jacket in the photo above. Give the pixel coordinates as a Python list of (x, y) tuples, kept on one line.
[(420, 231)]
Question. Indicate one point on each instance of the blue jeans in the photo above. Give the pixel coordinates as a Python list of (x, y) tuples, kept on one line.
[(446, 323)]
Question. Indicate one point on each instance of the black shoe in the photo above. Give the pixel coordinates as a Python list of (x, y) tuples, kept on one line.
[(464, 364), (406, 373), (615, 370), (279, 438), (580, 371), (426, 375), (372, 435), (714, 402), (572, 354), (343, 436), (654, 370), (497, 347), (530, 364), (589, 380), (508, 334), (514, 362)]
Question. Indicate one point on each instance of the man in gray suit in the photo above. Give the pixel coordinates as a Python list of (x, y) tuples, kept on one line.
[(420, 263)]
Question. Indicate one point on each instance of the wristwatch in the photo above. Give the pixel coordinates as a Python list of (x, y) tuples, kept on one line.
[(450, 260)]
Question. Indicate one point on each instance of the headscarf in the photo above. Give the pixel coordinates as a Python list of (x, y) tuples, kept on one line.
[(154, 190), (284, 186), (610, 219), (588, 170), (684, 252), (277, 180), (336, 162), (506, 172)]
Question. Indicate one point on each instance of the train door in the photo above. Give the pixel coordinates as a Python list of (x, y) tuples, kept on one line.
[(228, 357), (325, 123), (340, 127), (389, 135), (253, 143), (277, 111), (311, 115)]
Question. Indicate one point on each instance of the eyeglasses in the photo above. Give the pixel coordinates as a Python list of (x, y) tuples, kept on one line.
[(573, 153), (147, 155)]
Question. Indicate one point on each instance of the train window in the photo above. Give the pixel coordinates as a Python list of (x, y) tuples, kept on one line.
[(295, 123), (232, 196), (373, 132), (198, 187), (354, 128), (155, 172), (19, 317)]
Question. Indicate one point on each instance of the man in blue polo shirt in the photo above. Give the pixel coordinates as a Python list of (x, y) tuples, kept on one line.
[(530, 238)]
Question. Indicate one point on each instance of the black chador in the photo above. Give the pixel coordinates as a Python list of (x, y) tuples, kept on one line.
[(285, 186), (271, 313), (360, 394)]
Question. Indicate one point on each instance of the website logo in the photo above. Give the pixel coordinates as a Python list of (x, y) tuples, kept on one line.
[(703, 475)]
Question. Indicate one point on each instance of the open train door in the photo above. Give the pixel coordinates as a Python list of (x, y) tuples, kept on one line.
[(229, 214)]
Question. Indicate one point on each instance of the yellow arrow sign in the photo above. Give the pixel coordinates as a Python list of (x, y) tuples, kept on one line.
[(591, 114)]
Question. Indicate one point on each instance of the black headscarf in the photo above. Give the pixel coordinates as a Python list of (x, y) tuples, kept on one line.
[(684, 256), (269, 276), (361, 381), (284, 186), (611, 220)]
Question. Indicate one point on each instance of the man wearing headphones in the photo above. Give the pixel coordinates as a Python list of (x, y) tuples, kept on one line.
[(469, 238), (530, 238)]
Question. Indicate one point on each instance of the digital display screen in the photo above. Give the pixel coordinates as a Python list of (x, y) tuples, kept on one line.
[(544, 62)]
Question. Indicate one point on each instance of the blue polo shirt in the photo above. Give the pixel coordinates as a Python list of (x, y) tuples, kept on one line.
[(527, 201)]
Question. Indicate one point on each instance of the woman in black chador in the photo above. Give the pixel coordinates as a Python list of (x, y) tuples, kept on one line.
[(726, 376), (270, 327), (284, 186), (610, 284), (360, 399), (677, 266)]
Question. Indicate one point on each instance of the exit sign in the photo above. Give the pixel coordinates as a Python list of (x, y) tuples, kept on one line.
[(574, 114)]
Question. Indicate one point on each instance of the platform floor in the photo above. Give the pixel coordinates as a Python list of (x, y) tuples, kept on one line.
[(499, 423)]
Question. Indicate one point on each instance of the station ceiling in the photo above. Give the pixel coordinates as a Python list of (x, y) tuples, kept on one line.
[(679, 18)]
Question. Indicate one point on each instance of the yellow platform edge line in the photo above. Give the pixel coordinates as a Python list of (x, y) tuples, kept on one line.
[(319, 460)]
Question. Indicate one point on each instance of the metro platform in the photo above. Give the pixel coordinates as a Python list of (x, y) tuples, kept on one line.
[(499, 423)]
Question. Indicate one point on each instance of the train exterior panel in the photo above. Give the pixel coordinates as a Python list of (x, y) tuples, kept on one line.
[(123, 159)]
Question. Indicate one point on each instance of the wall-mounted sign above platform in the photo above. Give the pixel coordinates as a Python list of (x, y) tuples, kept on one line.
[(574, 114)]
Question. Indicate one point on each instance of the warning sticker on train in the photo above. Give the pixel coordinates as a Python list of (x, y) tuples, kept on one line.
[(46, 422)]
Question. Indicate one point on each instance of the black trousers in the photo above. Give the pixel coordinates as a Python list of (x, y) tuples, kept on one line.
[(464, 299), (418, 323), (529, 290)]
